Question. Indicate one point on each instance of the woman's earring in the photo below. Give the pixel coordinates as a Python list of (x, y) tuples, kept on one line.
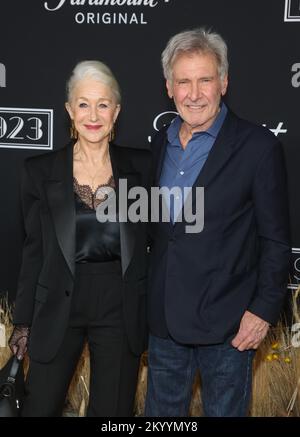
[(73, 131), (112, 134)]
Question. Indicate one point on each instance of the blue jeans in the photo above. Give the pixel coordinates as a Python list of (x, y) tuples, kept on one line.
[(226, 377)]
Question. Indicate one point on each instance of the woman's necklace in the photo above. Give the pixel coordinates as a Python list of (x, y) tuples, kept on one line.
[(93, 175)]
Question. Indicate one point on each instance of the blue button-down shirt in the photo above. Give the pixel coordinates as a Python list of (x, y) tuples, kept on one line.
[(182, 166)]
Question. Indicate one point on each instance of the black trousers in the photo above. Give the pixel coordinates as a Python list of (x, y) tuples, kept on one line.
[(96, 316)]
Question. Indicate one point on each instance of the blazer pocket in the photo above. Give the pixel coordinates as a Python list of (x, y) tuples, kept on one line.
[(41, 293)]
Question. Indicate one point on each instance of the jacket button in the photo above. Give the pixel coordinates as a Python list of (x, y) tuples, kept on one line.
[(67, 293)]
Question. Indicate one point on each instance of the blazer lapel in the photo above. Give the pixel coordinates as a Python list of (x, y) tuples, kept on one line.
[(59, 189), (122, 170), (160, 159), (220, 152)]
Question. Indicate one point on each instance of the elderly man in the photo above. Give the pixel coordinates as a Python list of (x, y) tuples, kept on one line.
[(213, 294)]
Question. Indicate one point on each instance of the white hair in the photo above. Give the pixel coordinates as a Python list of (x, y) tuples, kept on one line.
[(96, 70)]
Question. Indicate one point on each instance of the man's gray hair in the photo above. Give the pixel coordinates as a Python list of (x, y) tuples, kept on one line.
[(193, 41), (95, 70)]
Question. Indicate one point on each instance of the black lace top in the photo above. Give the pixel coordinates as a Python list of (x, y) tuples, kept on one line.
[(95, 241)]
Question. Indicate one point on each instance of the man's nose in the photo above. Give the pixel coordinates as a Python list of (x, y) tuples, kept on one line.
[(195, 91)]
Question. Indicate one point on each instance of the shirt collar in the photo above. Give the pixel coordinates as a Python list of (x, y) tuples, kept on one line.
[(213, 130)]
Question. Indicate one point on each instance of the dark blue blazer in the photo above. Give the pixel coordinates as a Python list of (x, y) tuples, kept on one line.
[(201, 284)]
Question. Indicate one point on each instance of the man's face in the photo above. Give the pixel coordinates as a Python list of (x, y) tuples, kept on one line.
[(196, 88)]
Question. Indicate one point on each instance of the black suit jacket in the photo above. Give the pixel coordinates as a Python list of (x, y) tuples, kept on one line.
[(46, 279), (201, 284)]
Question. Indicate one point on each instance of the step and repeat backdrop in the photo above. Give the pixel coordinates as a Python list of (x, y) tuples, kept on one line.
[(41, 41)]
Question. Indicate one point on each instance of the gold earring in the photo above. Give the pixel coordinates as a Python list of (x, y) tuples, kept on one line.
[(112, 134), (73, 131)]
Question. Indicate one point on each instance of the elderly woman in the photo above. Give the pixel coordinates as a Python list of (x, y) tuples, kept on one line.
[(82, 279)]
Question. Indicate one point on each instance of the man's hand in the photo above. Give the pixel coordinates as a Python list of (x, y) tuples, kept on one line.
[(251, 333)]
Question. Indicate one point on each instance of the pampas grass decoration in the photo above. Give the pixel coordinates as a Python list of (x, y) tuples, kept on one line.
[(77, 398), (5, 319), (276, 374)]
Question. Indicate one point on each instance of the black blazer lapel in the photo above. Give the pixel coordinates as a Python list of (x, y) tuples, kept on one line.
[(122, 170), (59, 189)]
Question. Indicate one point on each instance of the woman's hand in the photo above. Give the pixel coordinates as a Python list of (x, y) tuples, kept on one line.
[(19, 340)]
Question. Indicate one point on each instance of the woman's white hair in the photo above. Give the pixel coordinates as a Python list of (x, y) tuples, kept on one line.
[(95, 70)]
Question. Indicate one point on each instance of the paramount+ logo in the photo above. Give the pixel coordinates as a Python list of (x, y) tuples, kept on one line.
[(165, 118), (2, 76)]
